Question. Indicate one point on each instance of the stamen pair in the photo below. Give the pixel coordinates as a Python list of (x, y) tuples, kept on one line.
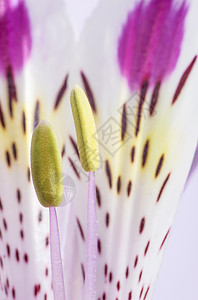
[(47, 173)]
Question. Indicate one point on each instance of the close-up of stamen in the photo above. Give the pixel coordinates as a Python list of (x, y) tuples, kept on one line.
[(47, 178), (98, 149)]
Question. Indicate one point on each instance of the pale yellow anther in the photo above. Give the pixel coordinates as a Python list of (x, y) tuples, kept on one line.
[(85, 129), (46, 165)]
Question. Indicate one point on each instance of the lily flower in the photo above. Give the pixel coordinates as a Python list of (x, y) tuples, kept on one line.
[(137, 62)]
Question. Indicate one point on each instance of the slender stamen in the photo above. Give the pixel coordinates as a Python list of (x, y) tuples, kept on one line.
[(46, 169), (89, 156)]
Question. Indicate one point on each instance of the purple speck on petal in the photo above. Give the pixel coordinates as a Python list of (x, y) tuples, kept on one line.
[(15, 36), (150, 41)]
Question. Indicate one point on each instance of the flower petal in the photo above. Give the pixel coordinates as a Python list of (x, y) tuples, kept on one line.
[(34, 91), (143, 151)]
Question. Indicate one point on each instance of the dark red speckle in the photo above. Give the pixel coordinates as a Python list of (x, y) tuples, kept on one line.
[(106, 270), (99, 246), (26, 258), (18, 196), (146, 249), (130, 295), (140, 276), (1, 262), (13, 293), (21, 218), (5, 224), (127, 272), (37, 289), (141, 292), (164, 239), (136, 261), (17, 255), (142, 224), (1, 205), (107, 219), (80, 229), (118, 285), (22, 234), (40, 216), (83, 272), (8, 250), (146, 293)]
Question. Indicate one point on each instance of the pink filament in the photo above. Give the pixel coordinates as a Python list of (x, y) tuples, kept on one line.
[(91, 242), (56, 261)]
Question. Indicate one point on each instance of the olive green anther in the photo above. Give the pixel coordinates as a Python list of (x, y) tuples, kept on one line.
[(87, 140), (46, 165)]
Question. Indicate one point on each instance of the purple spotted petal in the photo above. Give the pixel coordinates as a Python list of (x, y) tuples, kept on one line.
[(150, 42), (15, 36)]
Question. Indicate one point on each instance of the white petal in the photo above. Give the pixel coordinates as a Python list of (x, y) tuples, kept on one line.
[(24, 246), (172, 131)]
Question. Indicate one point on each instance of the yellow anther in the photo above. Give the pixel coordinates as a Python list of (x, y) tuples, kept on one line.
[(46, 165), (85, 129)]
